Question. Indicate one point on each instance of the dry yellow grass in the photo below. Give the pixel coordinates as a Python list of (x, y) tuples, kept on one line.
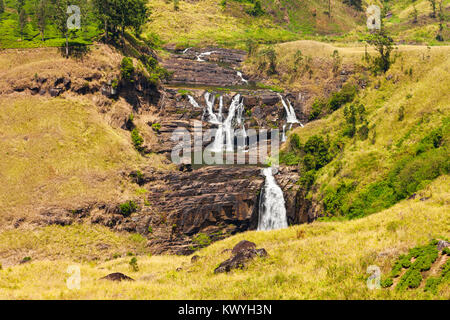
[(58, 152), (65, 151), (328, 262)]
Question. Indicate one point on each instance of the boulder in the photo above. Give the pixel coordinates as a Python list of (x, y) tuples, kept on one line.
[(242, 246), (240, 260), (117, 276)]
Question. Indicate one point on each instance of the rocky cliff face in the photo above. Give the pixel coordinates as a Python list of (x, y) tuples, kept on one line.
[(190, 207)]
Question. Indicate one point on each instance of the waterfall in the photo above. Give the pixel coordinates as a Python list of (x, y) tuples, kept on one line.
[(242, 77), (192, 101), (283, 134), (204, 54), (224, 127), (186, 50), (290, 112), (208, 113), (272, 212)]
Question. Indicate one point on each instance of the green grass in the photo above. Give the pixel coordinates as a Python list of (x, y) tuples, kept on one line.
[(10, 33)]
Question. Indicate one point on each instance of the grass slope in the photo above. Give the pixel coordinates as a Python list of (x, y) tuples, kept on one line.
[(322, 260), (410, 103), (65, 151), (208, 22)]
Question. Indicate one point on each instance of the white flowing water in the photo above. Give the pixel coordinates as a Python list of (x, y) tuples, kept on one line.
[(204, 54), (242, 77), (290, 112), (186, 50), (272, 212), (193, 102), (224, 136), (283, 134)]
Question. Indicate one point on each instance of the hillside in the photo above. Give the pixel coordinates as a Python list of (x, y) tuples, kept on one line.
[(395, 121), (322, 260), (143, 150)]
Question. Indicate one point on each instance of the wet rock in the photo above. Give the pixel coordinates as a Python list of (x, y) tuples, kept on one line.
[(243, 245), (117, 276)]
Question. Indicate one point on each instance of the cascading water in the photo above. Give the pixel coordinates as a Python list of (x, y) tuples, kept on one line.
[(193, 102), (186, 50), (272, 212), (290, 112), (242, 77), (204, 54), (224, 132), (283, 134)]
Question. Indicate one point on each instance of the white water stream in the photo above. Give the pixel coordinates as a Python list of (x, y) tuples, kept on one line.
[(272, 211)]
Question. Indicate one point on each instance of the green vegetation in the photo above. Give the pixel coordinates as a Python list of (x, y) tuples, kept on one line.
[(126, 68), (137, 139), (128, 207), (383, 44), (156, 126), (201, 240), (424, 257), (134, 265)]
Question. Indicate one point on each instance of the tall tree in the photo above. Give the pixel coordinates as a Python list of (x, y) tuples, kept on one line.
[(383, 43), (433, 8), (42, 14), (104, 14), (23, 19), (60, 20)]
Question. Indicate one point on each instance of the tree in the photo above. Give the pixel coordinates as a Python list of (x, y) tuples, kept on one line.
[(270, 55), (2, 6), (433, 7), (42, 13), (414, 14), (257, 9), (103, 12), (23, 19), (357, 4), (60, 20), (119, 14), (384, 45)]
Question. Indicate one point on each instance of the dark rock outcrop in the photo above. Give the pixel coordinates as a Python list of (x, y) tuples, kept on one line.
[(242, 246), (117, 276), (245, 252)]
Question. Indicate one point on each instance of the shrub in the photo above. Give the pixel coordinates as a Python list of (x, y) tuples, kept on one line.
[(345, 95), (137, 139), (257, 9), (156, 127), (127, 208), (126, 68), (388, 282), (316, 109), (294, 142), (432, 284), (411, 279), (133, 264), (201, 240)]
